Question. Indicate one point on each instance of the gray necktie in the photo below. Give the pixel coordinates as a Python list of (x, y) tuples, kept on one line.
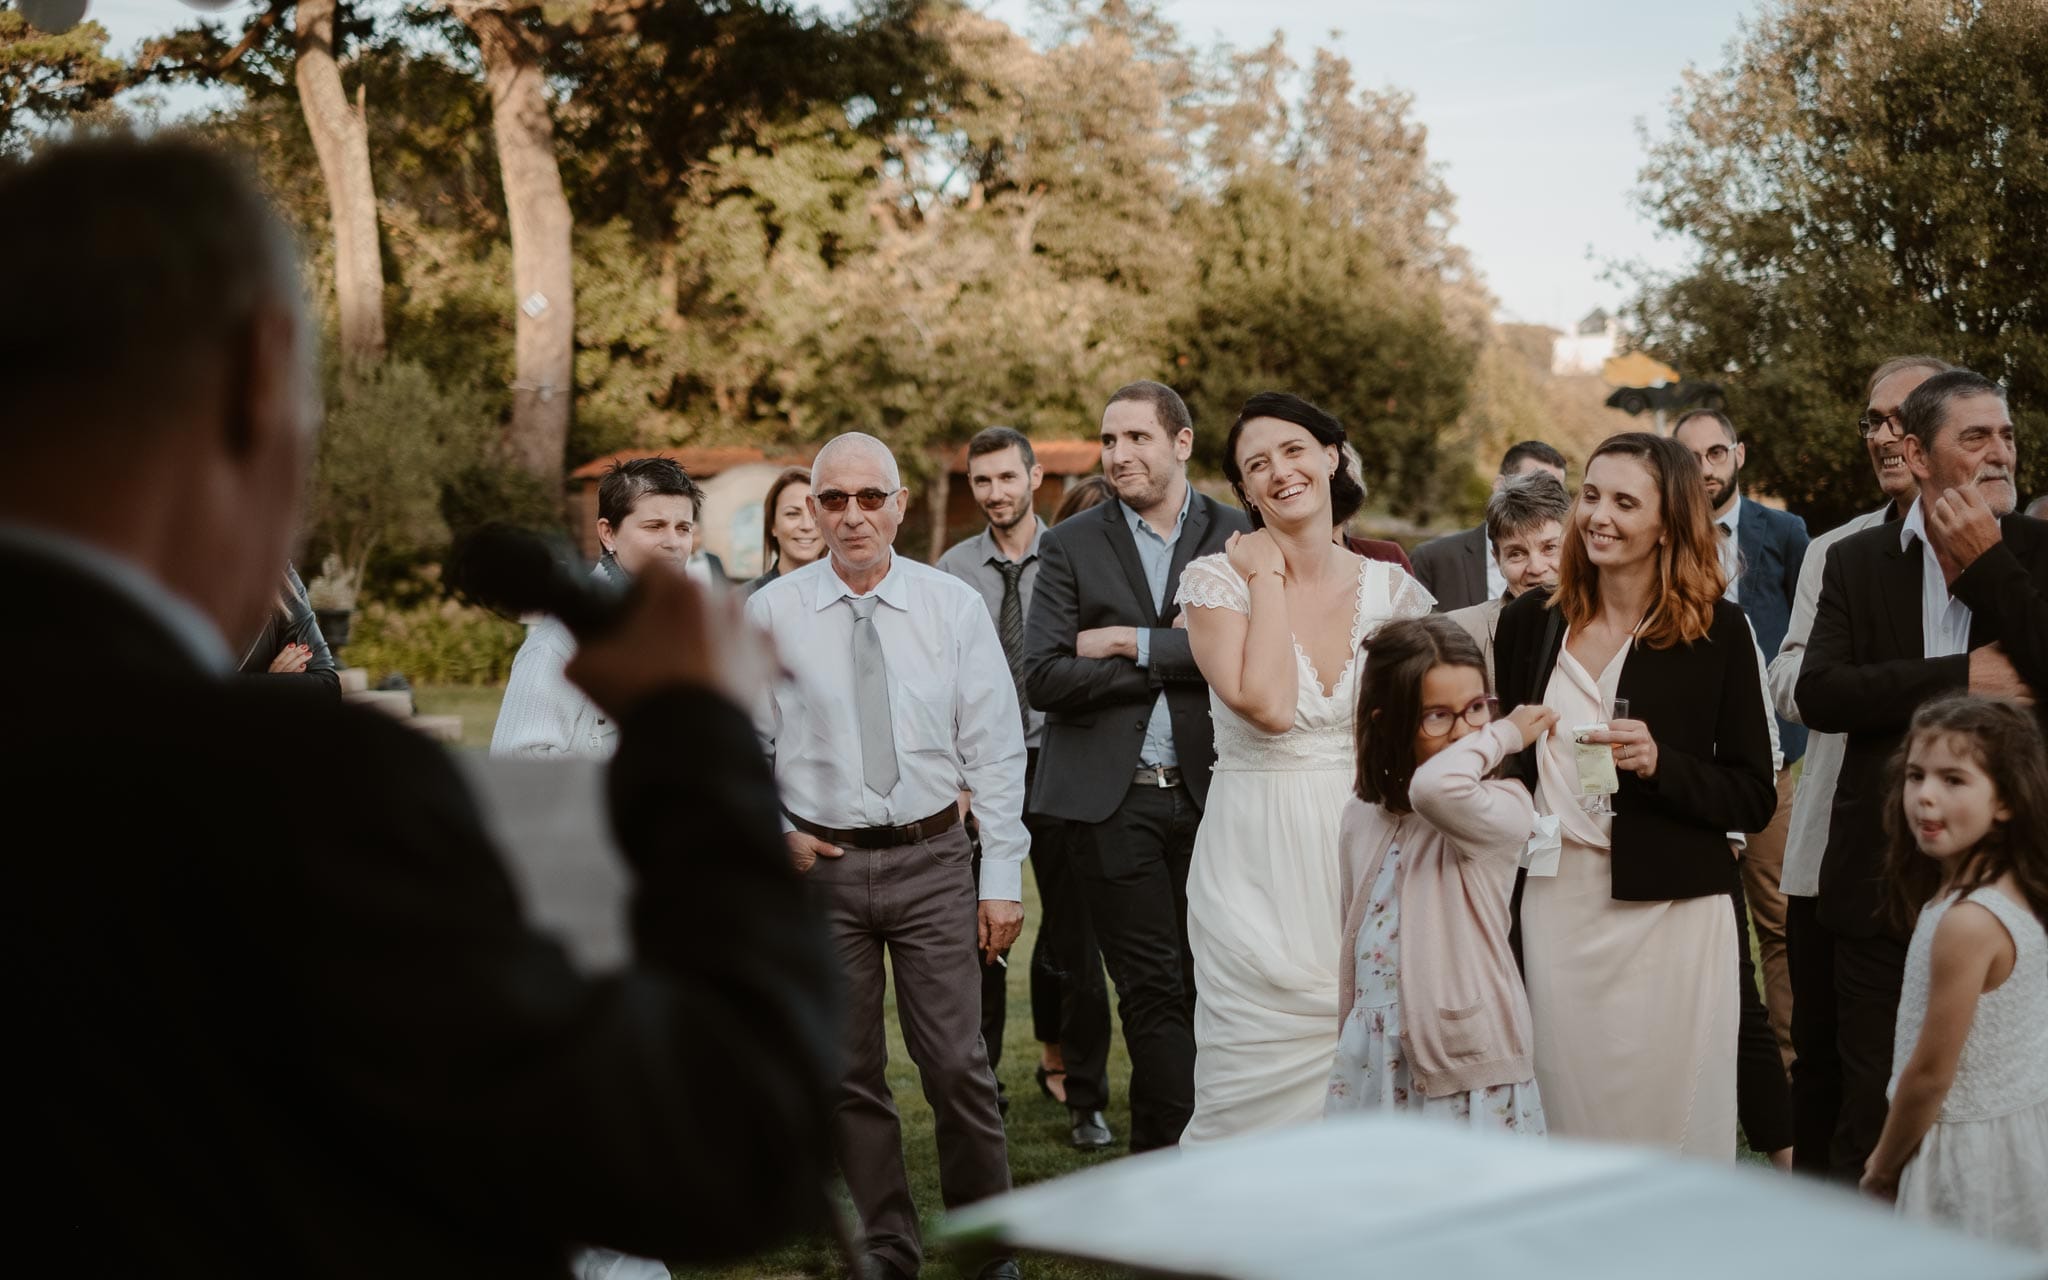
[(871, 700)]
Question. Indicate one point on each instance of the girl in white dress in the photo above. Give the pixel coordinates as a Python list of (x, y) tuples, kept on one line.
[(1966, 1140), (1285, 604)]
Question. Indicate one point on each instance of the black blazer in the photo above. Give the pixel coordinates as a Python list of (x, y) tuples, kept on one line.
[(283, 1013), (1704, 704), (294, 624), (1453, 567), (1089, 576), (1864, 676)]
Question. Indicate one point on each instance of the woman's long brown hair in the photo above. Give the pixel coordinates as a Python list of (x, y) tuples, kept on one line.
[(2006, 743), (790, 476), (1689, 577)]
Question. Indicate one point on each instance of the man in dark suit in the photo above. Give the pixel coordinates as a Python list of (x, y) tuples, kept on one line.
[(1762, 551), (1127, 748), (1459, 568), (283, 1013), (1952, 597)]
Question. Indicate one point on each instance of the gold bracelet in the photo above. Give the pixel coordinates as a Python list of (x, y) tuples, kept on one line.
[(1278, 573)]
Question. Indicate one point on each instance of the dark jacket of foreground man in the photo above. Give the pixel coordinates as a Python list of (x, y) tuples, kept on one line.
[(273, 1009)]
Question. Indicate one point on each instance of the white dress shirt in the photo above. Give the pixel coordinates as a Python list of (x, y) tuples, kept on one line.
[(1496, 581), (1731, 549), (1806, 839), (1944, 620), (952, 709), (543, 716)]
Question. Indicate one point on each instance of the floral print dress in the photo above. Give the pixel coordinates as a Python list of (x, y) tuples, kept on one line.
[(1372, 1067)]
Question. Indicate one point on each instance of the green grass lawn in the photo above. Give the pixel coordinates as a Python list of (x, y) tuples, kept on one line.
[(477, 705)]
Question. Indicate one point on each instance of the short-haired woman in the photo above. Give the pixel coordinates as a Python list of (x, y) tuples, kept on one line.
[(1629, 949), (647, 510)]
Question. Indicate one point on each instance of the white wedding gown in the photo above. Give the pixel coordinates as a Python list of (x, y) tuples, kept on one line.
[(1263, 892)]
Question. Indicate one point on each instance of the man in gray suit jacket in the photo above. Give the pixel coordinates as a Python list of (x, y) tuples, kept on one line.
[(1460, 569), (1127, 748)]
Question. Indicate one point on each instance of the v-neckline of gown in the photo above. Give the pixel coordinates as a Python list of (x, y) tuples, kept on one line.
[(1344, 676)]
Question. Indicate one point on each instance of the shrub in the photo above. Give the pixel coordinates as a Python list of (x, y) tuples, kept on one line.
[(434, 642)]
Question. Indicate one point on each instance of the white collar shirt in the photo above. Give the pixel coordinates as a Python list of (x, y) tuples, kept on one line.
[(196, 633), (1496, 581), (952, 708), (1729, 535), (1944, 620)]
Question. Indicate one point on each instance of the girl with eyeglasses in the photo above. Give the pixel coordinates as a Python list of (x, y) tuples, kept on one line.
[(1432, 1013)]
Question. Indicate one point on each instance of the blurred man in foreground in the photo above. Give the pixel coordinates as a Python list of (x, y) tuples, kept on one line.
[(277, 1011)]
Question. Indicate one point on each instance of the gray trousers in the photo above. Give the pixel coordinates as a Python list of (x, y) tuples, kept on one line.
[(918, 902)]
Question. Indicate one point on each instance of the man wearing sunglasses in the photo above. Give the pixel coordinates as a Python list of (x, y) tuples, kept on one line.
[(903, 701)]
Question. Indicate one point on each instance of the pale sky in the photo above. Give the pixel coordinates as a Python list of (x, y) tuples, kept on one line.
[(1532, 109)]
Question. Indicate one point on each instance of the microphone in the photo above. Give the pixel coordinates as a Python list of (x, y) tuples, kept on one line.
[(516, 572)]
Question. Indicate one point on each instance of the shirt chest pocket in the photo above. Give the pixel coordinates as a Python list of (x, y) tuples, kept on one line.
[(921, 714)]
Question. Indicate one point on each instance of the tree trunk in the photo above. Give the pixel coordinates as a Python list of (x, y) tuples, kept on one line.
[(341, 136), (542, 280)]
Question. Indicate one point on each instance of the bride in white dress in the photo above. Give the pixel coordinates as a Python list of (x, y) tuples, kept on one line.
[(1281, 607)]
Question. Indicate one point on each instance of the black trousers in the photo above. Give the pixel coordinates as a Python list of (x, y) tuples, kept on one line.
[(1845, 1009), (1133, 870), (1069, 998), (1763, 1099), (1868, 974), (1816, 1066)]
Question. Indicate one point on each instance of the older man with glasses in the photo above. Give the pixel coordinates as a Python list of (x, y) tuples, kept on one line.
[(1810, 947), (903, 701)]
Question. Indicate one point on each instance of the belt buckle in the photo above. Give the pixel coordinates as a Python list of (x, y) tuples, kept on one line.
[(1159, 779)]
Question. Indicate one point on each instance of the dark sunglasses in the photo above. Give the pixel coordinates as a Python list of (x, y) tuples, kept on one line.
[(869, 499)]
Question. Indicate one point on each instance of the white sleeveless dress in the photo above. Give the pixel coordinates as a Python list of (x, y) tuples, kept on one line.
[(1983, 1167), (1263, 891)]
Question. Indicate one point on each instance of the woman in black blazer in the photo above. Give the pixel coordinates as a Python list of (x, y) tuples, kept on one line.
[(1629, 948)]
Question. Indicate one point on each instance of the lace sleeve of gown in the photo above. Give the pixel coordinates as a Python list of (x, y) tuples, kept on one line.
[(1210, 583), (1410, 598)]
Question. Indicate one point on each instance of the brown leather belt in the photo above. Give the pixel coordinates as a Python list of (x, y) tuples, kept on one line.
[(881, 837)]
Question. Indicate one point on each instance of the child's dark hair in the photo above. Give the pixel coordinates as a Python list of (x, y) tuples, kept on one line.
[(1397, 656), (2007, 745)]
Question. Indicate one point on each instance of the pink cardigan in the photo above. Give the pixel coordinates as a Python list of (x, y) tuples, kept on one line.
[(1464, 1012)]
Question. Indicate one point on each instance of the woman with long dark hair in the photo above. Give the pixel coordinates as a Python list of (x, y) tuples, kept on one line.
[(1629, 945), (1276, 624), (789, 534)]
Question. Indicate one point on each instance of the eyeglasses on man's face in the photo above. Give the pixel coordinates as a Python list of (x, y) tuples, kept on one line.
[(835, 499), (1715, 456), (1872, 423), (1437, 721)]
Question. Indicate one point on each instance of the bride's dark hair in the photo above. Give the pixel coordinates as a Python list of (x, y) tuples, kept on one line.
[(1347, 495), (1397, 656)]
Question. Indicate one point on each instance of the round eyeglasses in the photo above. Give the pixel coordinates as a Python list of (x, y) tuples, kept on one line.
[(1437, 721)]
